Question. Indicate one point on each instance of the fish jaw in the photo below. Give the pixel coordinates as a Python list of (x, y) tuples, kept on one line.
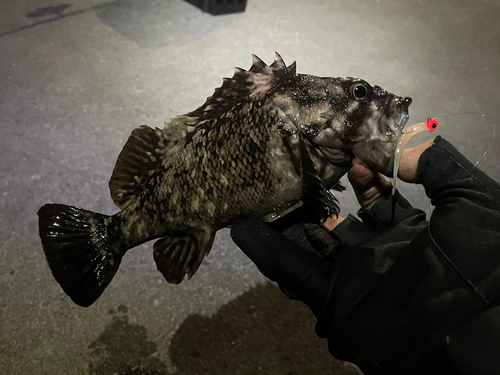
[(378, 136)]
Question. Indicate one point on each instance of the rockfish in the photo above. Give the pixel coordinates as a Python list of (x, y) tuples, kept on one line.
[(264, 143)]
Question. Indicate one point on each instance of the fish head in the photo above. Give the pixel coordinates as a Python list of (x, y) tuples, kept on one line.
[(378, 123), (348, 118)]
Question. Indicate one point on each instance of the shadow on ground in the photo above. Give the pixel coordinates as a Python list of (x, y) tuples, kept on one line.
[(148, 23), (124, 349), (260, 332), (53, 11), (153, 23)]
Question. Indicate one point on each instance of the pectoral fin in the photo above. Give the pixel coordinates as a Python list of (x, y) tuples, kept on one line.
[(181, 253), (282, 210), (312, 186)]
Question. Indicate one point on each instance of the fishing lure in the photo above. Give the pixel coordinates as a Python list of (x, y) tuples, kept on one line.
[(430, 125)]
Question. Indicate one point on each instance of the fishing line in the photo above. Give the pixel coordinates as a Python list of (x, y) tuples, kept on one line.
[(487, 149), (431, 125), (492, 138)]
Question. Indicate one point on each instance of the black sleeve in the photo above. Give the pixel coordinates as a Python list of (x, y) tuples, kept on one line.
[(465, 225), (399, 295)]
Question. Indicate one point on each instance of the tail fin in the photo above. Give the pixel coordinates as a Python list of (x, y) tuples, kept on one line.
[(78, 250)]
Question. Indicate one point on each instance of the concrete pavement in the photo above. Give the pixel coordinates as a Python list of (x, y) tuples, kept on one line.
[(76, 77)]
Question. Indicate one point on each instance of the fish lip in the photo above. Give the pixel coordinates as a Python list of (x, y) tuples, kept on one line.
[(403, 121), (404, 107), (389, 138), (398, 125)]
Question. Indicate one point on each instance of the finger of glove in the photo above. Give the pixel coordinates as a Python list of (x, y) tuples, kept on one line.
[(301, 274), (298, 226), (322, 242)]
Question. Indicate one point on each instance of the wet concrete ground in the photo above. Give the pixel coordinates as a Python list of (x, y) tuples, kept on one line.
[(76, 77)]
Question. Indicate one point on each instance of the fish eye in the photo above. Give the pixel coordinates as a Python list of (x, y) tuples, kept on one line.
[(359, 91)]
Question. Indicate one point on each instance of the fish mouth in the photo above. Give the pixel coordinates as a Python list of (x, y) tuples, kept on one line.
[(377, 145), (377, 152), (403, 121), (404, 107), (396, 114), (392, 132), (400, 118)]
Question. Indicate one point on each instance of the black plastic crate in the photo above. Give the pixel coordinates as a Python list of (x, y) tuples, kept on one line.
[(217, 7)]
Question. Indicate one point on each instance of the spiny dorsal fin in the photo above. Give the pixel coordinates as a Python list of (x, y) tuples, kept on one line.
[(258, 65), (178, 127), (244, 84), (138, 160)]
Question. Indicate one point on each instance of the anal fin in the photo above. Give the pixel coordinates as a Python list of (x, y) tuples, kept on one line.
[(182, 252)]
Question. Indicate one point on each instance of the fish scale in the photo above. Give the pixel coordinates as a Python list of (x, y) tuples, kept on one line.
[(266, 142)]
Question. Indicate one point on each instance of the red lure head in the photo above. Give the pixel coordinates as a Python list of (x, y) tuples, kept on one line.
[(432, 124)]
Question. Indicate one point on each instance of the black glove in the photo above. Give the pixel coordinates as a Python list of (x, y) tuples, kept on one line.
[(339, 268), (390, 292), (331, 273), (295, 254)]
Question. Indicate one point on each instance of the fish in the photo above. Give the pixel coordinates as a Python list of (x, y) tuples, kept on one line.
[(266, 142)]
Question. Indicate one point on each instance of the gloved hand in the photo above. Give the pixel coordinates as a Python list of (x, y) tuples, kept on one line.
[(292, 252), (297, 251), (394, 293)]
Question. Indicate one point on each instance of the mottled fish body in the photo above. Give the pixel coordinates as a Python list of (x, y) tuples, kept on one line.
[(264, 143)]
